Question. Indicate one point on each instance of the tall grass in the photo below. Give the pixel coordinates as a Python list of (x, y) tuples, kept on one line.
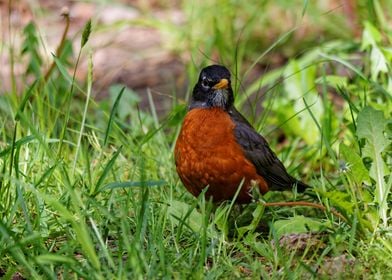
[(88, 189)]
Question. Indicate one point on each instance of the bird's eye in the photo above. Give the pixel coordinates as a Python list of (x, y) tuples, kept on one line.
[(205, 83)]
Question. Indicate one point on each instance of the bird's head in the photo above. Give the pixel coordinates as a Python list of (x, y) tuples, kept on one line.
[(213, 89)]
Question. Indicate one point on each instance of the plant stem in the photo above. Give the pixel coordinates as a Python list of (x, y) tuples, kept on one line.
[(307, 204)]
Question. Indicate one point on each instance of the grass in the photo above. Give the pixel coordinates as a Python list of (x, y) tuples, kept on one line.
[(88, 188)]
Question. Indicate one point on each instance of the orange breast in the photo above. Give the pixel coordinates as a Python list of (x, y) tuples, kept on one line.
[(207, 154)]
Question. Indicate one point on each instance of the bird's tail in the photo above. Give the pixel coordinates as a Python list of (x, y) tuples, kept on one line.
[(301, 186)]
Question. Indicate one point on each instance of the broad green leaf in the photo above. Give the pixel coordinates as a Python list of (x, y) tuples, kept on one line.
[(378, 62), (389, 87), (357, 170), (298, 224), (299, 79), (387, 53), (183, 213), (285, 111), (341, 200), (333, 80), (371, 36), (370, 126), (300, 84), (308, 124)]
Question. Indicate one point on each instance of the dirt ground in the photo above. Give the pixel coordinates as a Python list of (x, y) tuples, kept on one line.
[(122, 52)]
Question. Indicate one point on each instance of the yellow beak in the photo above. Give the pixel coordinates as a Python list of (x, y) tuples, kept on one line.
[(222, 84)]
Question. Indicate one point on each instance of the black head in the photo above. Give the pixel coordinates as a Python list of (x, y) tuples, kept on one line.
[(213, 89)]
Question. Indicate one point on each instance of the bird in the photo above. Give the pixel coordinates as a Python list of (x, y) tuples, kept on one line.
[(218, 149)]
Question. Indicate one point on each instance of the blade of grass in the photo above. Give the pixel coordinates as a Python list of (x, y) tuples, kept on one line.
[(115, 185), (326, 142), (97, 188), (89, 86), (112, 113)]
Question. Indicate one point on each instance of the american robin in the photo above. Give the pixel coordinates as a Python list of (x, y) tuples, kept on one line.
[(219, 149)]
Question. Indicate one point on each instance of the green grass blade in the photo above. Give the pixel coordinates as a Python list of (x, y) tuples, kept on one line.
[(112, 113), (130, 184), (89, 87), (105, 172)]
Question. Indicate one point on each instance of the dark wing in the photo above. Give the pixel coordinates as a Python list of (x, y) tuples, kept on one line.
[(256, 150)]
